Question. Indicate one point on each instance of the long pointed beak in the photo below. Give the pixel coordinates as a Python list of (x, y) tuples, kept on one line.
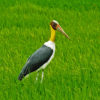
[(62, 31)]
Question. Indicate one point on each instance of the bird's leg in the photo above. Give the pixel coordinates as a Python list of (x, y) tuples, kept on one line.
[(37, 76), (42, 76)]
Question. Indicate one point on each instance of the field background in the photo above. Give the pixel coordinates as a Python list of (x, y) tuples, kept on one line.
[(74, 73)]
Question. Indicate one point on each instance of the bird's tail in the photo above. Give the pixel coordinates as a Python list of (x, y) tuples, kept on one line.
[(24, 72), (20, 77)]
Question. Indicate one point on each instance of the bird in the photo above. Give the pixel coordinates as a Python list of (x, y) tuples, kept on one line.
[(42, 57)]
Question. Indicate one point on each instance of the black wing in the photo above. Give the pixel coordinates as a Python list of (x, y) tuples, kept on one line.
[(36, 60)]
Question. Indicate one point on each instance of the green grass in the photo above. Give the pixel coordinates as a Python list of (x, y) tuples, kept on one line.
[(74, 73)]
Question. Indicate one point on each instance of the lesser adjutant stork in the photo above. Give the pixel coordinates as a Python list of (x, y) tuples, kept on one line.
[(41, 58)]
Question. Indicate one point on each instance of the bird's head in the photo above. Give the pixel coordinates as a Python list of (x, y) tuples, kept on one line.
[(55, 25)]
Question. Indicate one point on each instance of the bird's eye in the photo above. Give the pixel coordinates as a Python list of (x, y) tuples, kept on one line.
[(54, 25)]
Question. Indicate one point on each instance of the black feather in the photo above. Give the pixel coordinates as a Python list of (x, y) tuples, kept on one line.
[(36, 60)]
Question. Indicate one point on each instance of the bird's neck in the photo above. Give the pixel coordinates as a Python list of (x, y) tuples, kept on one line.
[(52, 38)]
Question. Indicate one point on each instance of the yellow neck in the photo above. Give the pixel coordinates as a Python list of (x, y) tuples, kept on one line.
[(52, 38)]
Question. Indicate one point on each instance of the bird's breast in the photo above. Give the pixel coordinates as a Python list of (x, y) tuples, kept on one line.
[(50, 44)]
